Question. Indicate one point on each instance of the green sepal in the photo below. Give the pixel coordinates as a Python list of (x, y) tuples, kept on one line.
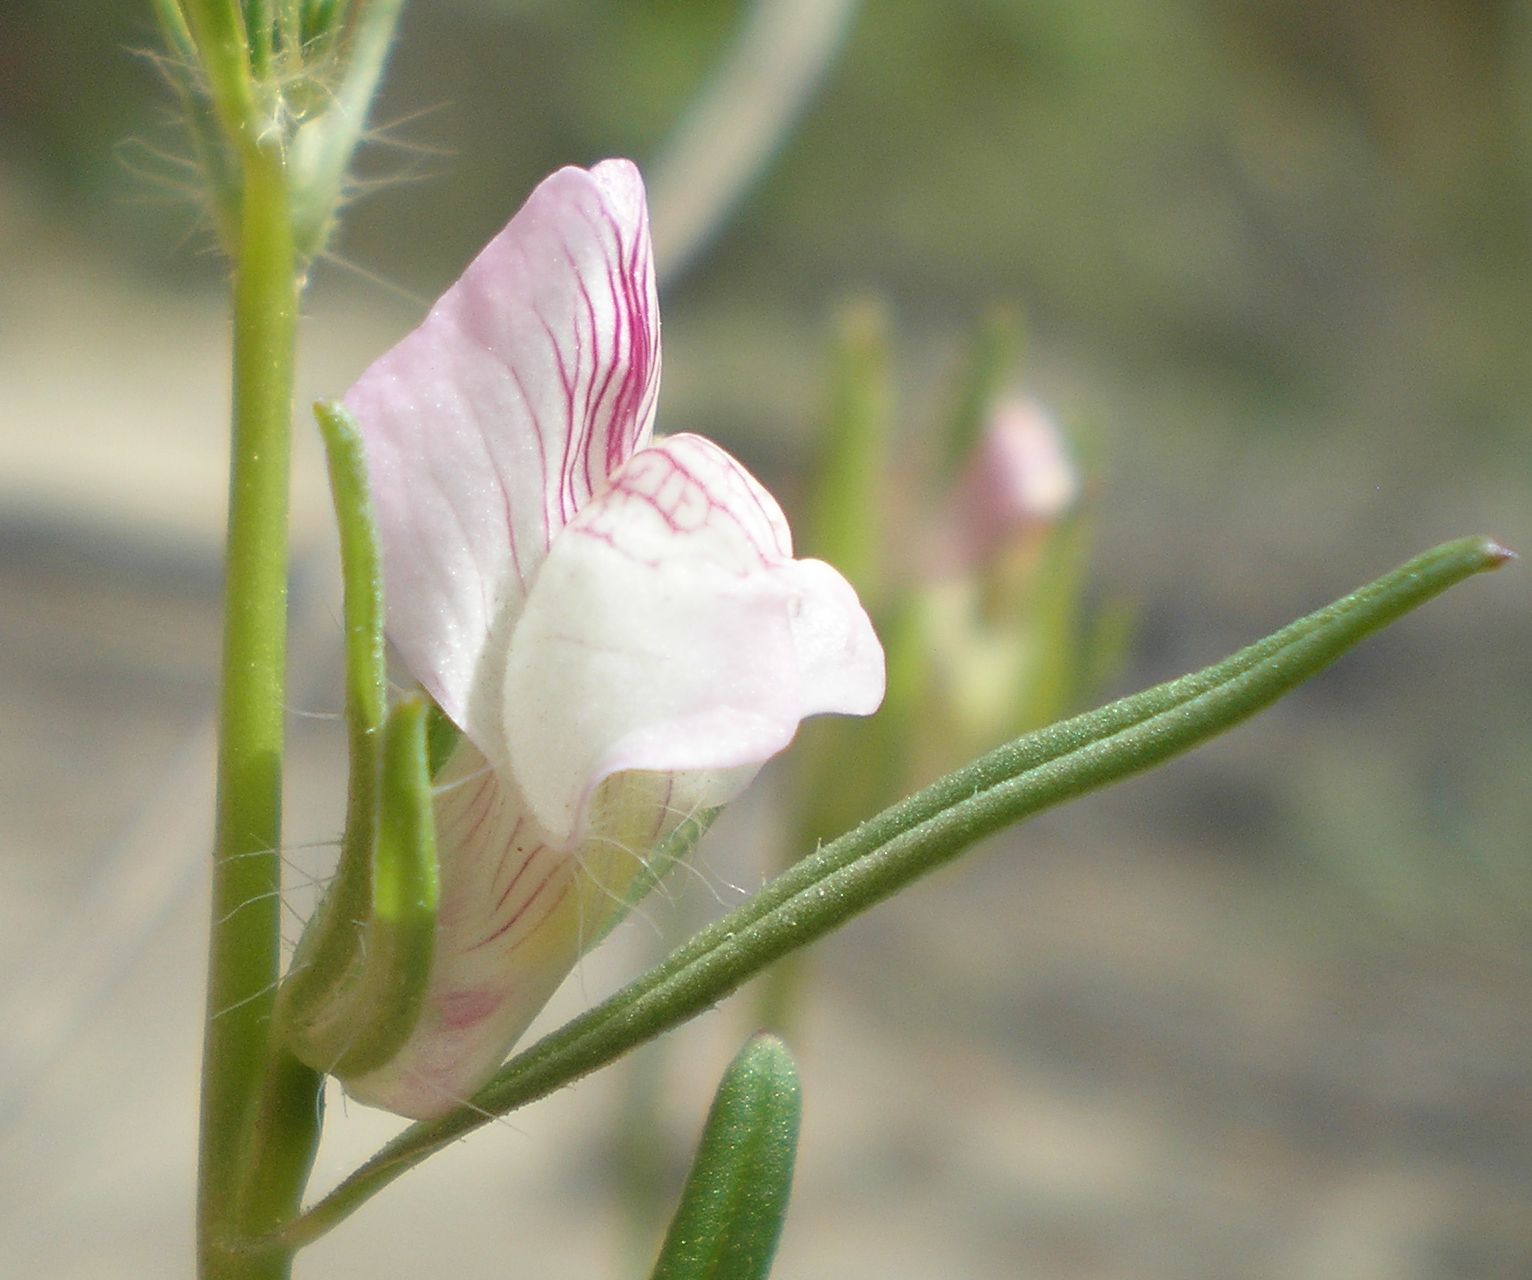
[(285, 79), (353, 1018), (1058, 629), (321, 18), (442, 737), (732, 1208), (350, 45), (354, 989), (1077, 646), (218, 34), (333, 937), (401, 931), (220, 165), (848, 528), (361, 573)]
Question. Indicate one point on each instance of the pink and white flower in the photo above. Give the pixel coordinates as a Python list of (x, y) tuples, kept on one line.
[(616, 624)]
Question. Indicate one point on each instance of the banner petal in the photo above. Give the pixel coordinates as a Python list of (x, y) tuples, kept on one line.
[(532, 379)]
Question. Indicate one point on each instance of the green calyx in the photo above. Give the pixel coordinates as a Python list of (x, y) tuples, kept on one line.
[(353, 993), (290, 79)]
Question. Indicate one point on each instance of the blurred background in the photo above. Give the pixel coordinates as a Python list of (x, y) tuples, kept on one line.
[(1263, 1013)]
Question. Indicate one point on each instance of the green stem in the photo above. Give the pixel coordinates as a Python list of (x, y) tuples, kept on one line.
[(913, 837), (238, 1117)]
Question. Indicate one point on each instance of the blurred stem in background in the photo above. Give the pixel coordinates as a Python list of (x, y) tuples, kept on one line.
[(845, 529), (739, 121)]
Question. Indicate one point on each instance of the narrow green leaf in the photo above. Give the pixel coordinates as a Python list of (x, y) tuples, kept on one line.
[(731, 1211), (913, 837)]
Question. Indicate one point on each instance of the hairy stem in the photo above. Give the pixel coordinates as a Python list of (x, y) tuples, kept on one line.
[(243, 955)]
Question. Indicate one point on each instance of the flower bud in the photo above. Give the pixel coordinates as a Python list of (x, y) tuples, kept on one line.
[(1019, 479)]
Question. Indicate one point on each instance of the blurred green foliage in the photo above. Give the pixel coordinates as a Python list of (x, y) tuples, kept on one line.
[(1254, 189)]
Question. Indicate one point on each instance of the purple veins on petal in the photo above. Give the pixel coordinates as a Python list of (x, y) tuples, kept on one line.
[(531, 379)]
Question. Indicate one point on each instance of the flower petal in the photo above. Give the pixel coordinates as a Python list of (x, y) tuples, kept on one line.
[(532, 379), (515, 916), (670, 630)]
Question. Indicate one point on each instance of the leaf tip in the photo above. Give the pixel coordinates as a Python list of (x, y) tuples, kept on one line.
[(1497, 553), (766, 1047), (765, 1054)]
